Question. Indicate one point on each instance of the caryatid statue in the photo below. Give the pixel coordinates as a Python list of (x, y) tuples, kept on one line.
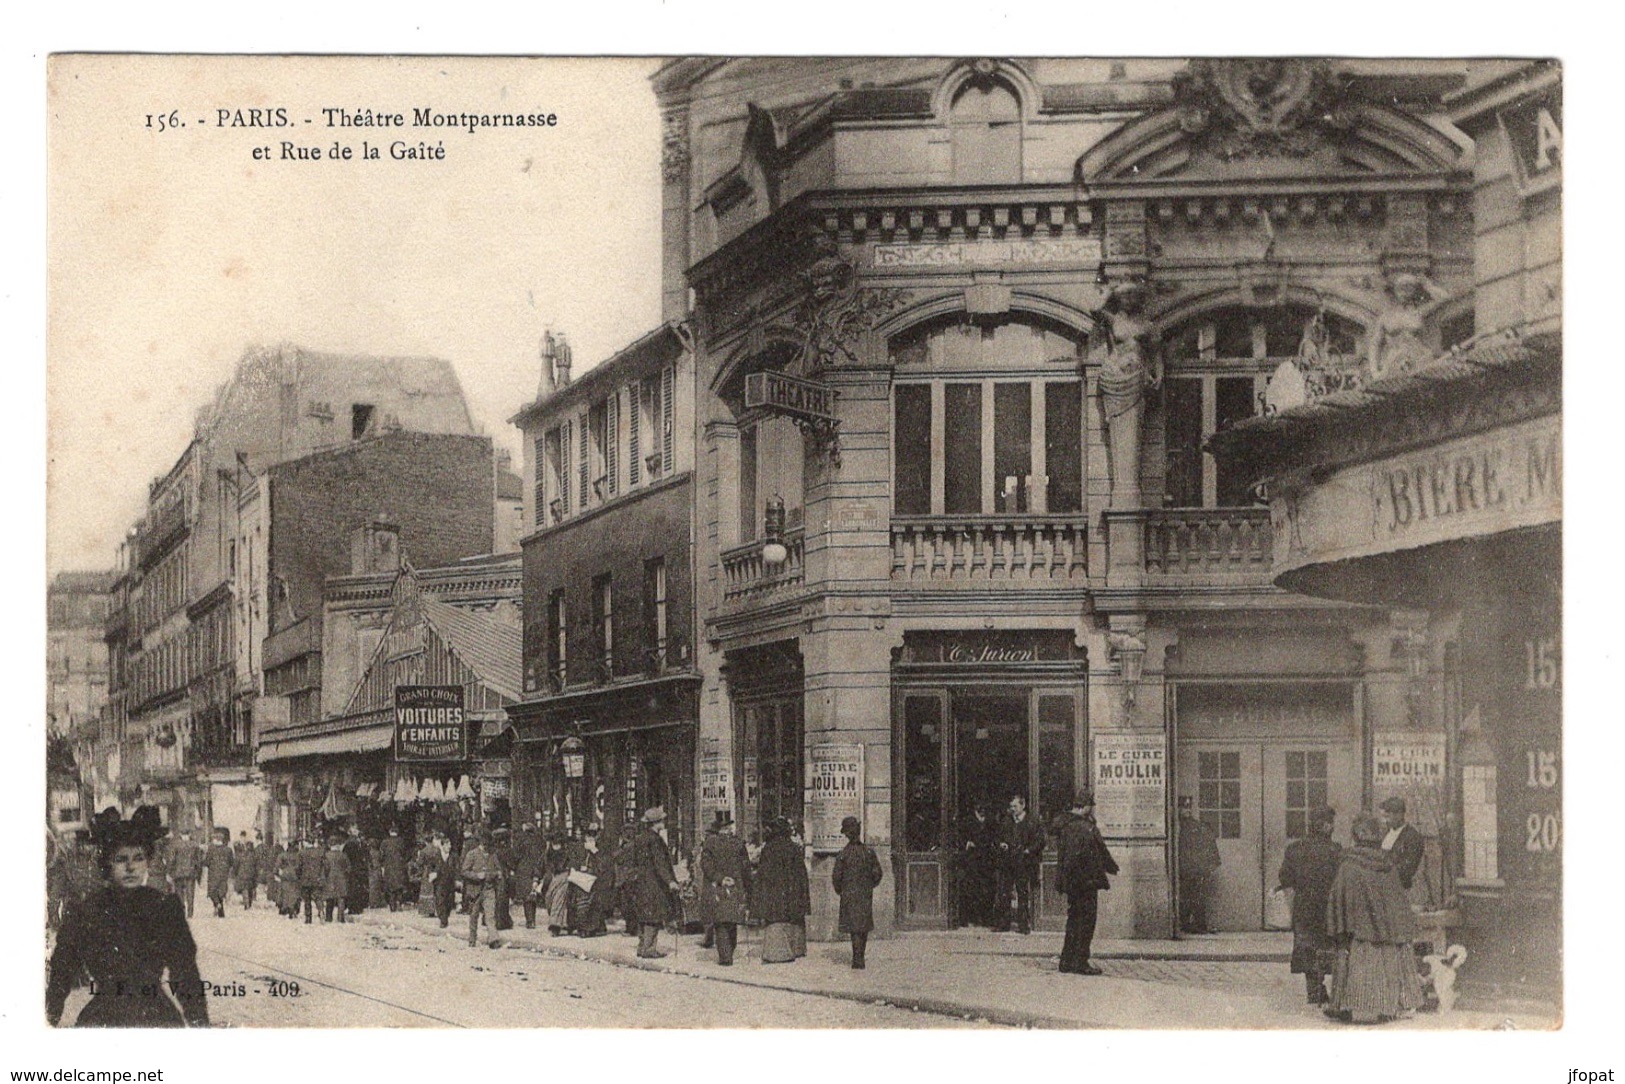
[(1397, 342), (1128, 367)]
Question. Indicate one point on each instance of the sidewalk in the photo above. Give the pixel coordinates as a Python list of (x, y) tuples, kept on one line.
[(1220, 982)]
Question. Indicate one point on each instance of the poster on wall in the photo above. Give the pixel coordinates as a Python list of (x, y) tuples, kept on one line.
[(1410, 765), (1131, 785), (834, 792), (716, 787)]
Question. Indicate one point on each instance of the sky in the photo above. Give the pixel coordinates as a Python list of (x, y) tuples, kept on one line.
[(171, 250)]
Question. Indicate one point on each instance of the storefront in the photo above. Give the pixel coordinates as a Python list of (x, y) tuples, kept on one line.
[(603, 759), (978, 719)]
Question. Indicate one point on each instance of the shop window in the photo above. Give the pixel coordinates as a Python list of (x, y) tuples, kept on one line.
[(1055, 761), (922, 720), (1480, 836), (1218, 793), (985, 132), (1306, 789), (778, 727)]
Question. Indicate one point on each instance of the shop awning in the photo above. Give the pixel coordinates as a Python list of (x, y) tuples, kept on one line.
[(369, 739)]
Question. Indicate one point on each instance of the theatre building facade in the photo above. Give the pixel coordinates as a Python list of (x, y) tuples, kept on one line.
[(963, 331), (1439, 488)]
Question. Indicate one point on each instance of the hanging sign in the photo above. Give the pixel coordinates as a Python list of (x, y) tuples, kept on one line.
[(781, 394), (1131, 785), (834, 792), (429, 723)]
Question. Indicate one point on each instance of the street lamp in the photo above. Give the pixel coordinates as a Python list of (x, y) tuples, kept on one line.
[(774, 551), (1130, 651)]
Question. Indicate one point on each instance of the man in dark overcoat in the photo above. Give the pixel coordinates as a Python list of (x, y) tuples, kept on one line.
[(185, 862), (529, 869), (266, 854), (1019, 843), (655, 884), (392, 854), (219, 863), (355, 852), (1083, 863), (724, 885), (1403, 842), (977, 879), (1308, 869), (502, 848), (312, 875), (1198, 861), (855, 876), (247, 873)]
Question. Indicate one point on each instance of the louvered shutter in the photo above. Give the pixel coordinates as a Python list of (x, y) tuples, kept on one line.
[(585, 422), (668, 430), (612, 441), (564, 469), (634, 418), (539, 492)]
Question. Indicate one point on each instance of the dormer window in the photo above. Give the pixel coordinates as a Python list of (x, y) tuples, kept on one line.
[(985, 132)]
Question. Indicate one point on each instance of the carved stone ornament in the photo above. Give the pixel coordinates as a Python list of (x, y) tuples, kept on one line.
[(835, 312), (1262, 107), (674, 155)]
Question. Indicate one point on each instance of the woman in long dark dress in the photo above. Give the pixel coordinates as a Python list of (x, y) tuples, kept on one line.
[(1308, 869), (1370, 920), (130, 942), (779, 893)]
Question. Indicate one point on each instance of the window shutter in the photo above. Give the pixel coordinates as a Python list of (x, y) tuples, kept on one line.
[(564, 469), (539, 493), (612, 441), (634, 417), (667, 429), (586, 458)]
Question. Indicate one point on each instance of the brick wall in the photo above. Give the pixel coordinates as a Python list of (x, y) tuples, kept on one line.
[(436, 489), (618, 540)]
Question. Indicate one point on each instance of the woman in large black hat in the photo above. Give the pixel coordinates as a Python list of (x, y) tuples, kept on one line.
[(129, 941)]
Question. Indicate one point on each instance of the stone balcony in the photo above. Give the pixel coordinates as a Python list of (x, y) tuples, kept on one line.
[(1188, 547), (978, 550), (747, 577)]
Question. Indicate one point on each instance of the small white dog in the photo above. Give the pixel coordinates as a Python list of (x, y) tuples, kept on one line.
[(1442, 974)]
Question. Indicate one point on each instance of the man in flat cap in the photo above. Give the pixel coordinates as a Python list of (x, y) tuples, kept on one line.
[(1081, 873), (655, 882)]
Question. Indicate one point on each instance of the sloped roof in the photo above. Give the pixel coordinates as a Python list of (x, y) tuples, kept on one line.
[(489, 648)]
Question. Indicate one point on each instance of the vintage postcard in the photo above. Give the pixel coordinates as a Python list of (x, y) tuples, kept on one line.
[(805, 542)]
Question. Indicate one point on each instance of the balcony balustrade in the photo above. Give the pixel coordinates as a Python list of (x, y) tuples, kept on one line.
[(746, 576), (1171, 547), (990, 548)]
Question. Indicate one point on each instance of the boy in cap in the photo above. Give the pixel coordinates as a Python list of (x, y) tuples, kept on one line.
[(855, 876)]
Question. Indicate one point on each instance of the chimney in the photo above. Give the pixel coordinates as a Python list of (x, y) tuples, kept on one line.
[(375, 548), (555, 362)]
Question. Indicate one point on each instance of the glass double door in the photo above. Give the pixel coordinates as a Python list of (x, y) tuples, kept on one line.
[(1256, 798), (969, 747)]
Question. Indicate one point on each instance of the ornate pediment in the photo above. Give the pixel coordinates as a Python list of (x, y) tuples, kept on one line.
[(1264, 118)]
